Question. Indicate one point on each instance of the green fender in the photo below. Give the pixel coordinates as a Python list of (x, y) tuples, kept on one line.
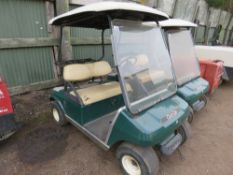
[(193, 90), (55, 96), (152, 126)]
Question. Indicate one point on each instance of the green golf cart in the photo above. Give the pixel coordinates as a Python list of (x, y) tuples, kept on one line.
[(191, 87), (134, 108)]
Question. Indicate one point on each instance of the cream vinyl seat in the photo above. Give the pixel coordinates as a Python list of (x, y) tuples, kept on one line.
[(81, 72), (147, 76), (98, 92), (151, 76)]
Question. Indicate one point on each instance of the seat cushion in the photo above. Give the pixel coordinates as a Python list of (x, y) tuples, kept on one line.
[(76, 72), (151, 76), (81, 72), (98, 92), (101, 68)]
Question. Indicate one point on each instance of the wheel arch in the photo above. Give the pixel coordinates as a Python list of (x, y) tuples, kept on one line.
[(56, 100)]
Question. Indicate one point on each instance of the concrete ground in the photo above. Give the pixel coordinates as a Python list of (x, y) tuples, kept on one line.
[(41, 147)]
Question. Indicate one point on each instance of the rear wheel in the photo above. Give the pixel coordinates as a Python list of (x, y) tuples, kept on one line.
[(185, 131), (136, 160), (58, 114)]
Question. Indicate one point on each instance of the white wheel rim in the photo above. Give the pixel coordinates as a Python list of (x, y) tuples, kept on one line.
[(131, 165), (55, 115)]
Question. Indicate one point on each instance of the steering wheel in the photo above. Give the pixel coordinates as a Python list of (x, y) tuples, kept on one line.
[(128, 59), (135, 76)]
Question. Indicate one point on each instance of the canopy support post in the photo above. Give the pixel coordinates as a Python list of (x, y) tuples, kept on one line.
[(102, 45)]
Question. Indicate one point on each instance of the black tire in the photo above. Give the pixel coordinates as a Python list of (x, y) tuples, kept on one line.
[(60, 116), (204, 98), (185, 131), (191, 116), (143, 157)]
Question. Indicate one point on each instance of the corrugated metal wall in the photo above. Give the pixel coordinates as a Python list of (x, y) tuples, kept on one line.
[(90, 51), (200, 12), (93, 51), (22, 18), (26, 19), (24, 66)]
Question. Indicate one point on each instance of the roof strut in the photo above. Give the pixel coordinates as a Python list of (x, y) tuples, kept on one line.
[(103, 45)]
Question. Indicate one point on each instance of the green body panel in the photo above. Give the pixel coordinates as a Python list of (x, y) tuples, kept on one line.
[(86, 113), (193, 90), (101, 108), (149, 127)]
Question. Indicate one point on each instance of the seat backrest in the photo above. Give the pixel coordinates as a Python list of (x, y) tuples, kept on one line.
[(81, 72), (148, 76), (141, 60), (101, 68), (76, 72)]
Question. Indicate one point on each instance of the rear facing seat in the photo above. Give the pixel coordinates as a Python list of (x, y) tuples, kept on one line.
[(147, 76), (82, 72)]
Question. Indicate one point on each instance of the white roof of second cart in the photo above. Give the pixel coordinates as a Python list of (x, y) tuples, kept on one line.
[(95, 15), (176, 23)]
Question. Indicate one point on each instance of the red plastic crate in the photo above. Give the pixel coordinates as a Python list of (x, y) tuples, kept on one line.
[(5, 101), (212, 71)]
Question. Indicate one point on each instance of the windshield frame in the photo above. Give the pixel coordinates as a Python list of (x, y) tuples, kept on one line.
[(123, 85), (176, 30)]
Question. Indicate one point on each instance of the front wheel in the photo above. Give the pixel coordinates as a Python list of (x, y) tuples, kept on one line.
[(185, 131), (58, 114), (136, 160)]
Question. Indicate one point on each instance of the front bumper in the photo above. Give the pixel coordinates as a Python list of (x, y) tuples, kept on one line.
[(171, 144), (8, 124), (192, 91)]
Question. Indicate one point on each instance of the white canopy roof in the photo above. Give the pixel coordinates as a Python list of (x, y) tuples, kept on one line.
[(95, 15), (216, 53), (176, 23)]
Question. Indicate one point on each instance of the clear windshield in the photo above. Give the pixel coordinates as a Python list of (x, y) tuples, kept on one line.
[(143, 62), (183, 55)]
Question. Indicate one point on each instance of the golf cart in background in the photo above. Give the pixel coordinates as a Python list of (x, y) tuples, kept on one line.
[(222, 53), (8, 125), (135, 109), (191, 87)]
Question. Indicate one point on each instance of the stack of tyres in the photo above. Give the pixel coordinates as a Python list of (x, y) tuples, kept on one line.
[(212, 71), (8, 125)]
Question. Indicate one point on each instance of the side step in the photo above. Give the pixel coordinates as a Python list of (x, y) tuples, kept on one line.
[(200, 104), (100, 126), (171, 144)]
